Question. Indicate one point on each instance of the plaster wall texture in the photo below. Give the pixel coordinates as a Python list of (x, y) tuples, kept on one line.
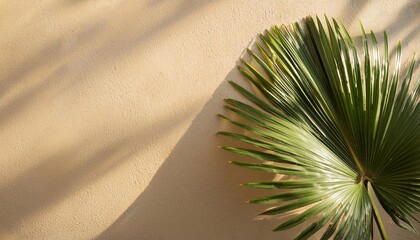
[(107, 113)]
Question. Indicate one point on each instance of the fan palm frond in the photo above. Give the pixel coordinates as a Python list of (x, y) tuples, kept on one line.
[(340, 126)]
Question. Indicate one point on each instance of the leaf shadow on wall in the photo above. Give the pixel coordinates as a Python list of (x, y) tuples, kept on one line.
[(60, 173), (195, 194), (26, 74), (67, 172), (57, 59)]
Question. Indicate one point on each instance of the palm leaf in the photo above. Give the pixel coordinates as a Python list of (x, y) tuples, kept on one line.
[(340, 127)]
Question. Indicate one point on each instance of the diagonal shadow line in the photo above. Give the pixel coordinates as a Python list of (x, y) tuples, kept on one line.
[(47, 56), (352, 10), (115, 48), (195, 192), (23, 75), (37, 188), (58, 175)]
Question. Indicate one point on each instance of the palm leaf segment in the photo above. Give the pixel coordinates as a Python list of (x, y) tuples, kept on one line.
[(335, 124)]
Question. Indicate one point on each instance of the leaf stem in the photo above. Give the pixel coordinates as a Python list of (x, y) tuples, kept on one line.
[(376, 214)]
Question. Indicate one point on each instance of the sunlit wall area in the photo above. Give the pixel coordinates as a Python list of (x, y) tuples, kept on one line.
[(107, 113)]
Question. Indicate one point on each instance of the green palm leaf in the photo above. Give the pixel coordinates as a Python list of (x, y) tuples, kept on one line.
[(337, 125)]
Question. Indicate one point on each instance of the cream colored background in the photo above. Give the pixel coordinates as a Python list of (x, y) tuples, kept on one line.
[(107, 113)]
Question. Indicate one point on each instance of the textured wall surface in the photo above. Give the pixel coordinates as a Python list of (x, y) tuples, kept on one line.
[(107, 113)]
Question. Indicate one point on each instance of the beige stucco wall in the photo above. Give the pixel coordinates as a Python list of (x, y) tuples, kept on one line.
[(107, 113)]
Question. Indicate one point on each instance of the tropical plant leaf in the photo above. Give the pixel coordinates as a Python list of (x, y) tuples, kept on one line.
[(340, 127)]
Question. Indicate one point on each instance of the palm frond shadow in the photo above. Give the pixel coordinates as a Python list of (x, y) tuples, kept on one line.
[(56, 57), (179, 197), (45, 72), (66, 172)]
